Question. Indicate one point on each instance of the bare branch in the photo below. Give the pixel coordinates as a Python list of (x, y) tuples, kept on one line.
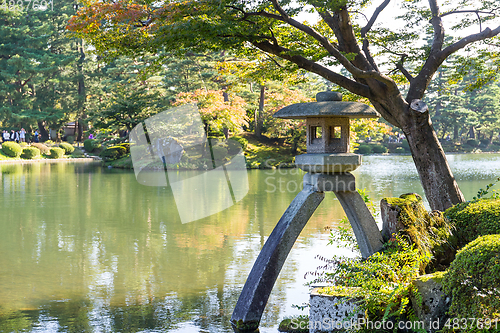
[(486, 33), (374, 17), (368, 54), (284, 53), (356, 72), (403, 70), (437, 25), (491, 12)]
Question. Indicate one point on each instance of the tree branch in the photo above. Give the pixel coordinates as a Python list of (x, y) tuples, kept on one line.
[(284, 53), (486, 33), (374, 17), (437, 25), (491, 12), (356, 72)]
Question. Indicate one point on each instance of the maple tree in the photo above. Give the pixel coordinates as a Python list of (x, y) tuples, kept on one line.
[(371, 48)]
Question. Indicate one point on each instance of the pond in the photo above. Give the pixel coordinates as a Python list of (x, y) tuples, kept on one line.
[(89, 249)]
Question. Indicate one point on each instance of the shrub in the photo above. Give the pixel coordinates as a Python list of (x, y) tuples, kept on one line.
[(364, 149), (473, 279), (473, 219), (68, 149), (219, 153), (400, 150), (91, 144), (12, 149), (242, 141), (23, 144), (473, 143), (113, 153), (30, 153), (70, 139), (50, 143), (77, 153), (125, 145), (56, 152), (405, 145), (43, 148), (485, 142), (379, 149)]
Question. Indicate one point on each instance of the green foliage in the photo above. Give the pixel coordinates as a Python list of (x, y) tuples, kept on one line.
[(12, 149), (43, 148), (56, 152), (91, 144), (294, 324), (30, 153), (400, 150), (234, 148), (481, 193), (219, 153), (429, 232), (364, 149), (473, 143), (473, 279), (384, 280), (405, 145), (77, 153), (125, 145), (379, 149), (68, 148), (113, 153), (70, 139), (473, 219)]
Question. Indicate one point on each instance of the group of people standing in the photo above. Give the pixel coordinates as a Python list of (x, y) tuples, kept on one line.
[(18, 136)]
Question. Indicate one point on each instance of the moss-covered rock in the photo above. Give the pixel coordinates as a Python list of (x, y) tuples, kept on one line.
[(429, 231), (474, 219), (293, 325), (473, 279)]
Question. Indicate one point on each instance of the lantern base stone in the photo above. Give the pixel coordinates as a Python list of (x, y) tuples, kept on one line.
[(328, 163)]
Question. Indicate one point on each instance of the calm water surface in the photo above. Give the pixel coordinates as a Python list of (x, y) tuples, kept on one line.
[(88, 249)]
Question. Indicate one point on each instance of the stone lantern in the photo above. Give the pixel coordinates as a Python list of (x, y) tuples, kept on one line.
[(327, 164), (328, 132)]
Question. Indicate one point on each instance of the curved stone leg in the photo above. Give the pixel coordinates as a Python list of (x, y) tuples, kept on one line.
[(363, 224), (253, 298)]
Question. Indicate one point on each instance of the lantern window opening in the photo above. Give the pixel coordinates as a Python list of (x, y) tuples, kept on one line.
[(316, 134), (335, 132)]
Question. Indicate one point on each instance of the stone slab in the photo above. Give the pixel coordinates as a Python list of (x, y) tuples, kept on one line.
[(338, 182), (328, 163), (332, 313)]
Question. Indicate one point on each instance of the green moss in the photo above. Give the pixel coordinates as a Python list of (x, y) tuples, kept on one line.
[(430, 232), (473, 219), (473, 279), (339, 291), (293, 325), (246, 326), (436, 276)]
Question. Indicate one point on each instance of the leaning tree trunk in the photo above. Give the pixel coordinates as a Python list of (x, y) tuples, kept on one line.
[(44, 135), (440, 186)]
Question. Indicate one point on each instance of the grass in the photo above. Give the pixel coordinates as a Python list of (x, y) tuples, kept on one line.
[(264, 152)]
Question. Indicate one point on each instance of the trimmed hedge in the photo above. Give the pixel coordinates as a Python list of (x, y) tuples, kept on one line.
[(400, 150), (125, 145), (113, 153), (364, 149), (12, 149), (56, 152), (68, 149), (473, 143), (219, 153), (43, 148), (30, 153), (473, 219), (90, 145), (70, 139), (473, 279), (379, 149)]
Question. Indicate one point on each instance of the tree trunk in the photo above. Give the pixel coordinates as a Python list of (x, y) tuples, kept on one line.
[(440, 186), (44, 135), (472, 133), (258, 113), (455, 133)]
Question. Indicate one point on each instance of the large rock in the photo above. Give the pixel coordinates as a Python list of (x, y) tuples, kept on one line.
[(435, 303)]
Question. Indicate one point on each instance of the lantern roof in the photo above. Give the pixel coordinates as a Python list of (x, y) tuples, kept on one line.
[(327, 109), (329, 105)]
